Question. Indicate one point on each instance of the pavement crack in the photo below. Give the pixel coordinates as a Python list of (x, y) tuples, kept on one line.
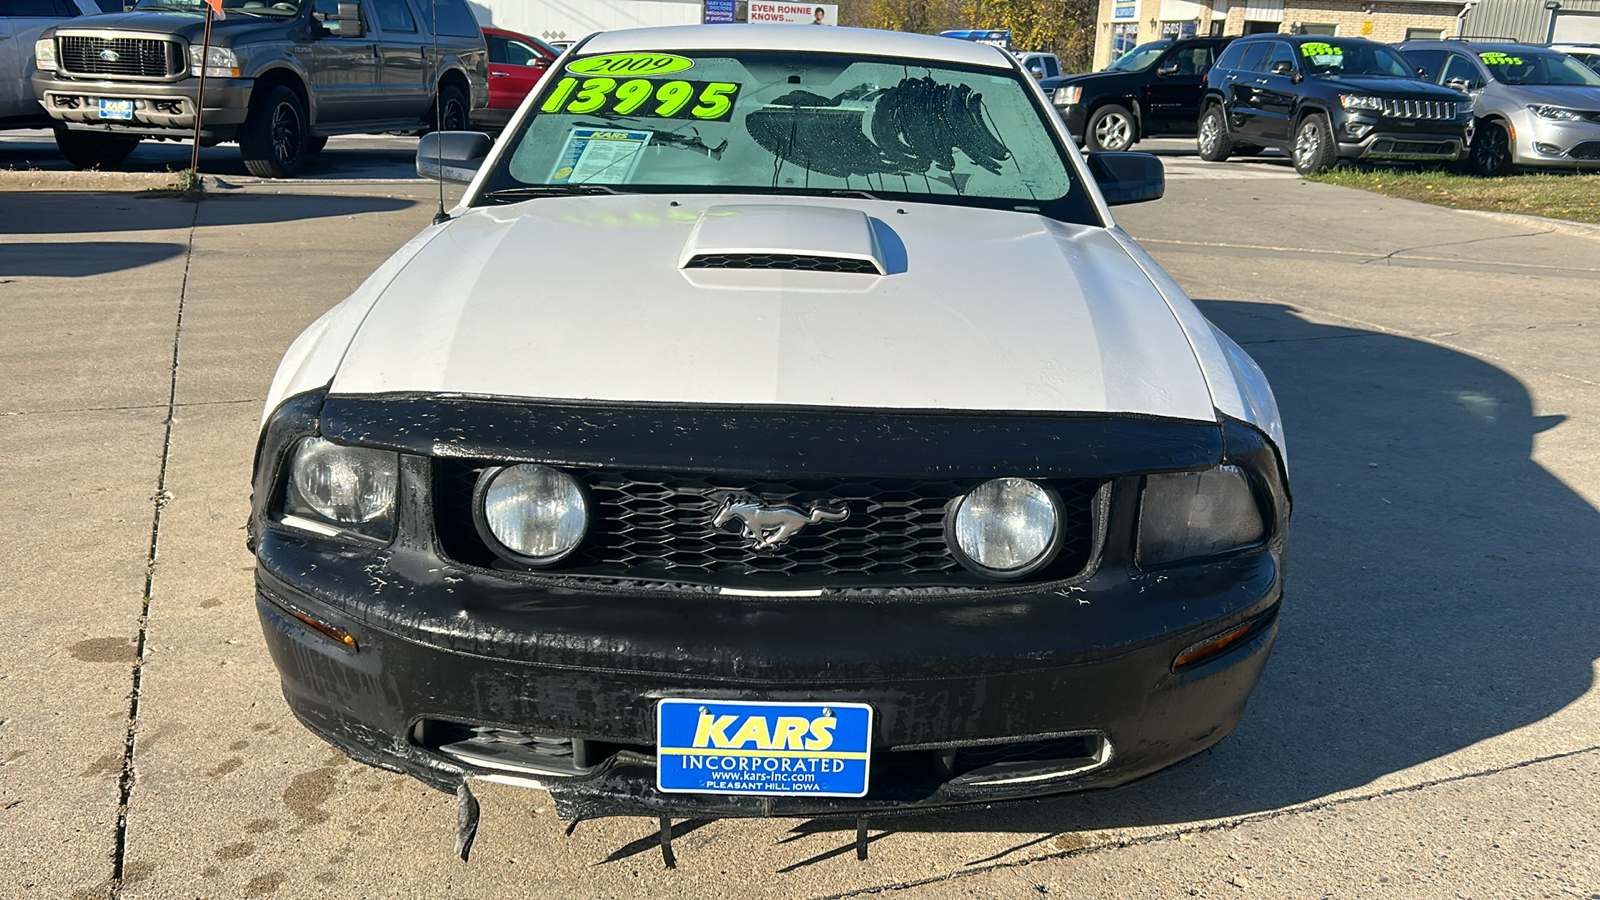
[(159, 501), (1222, 825), (138, 407), (1387, 257)]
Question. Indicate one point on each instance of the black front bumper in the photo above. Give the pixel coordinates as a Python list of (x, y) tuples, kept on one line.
[(437, 645)]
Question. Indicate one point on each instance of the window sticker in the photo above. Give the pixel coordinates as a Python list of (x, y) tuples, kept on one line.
[(598, 156), (1496, 58), (626, 64), (1322, 54), (706, 101)]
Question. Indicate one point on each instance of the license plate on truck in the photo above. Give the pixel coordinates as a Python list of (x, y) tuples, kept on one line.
[(116, 109), (739, 747)]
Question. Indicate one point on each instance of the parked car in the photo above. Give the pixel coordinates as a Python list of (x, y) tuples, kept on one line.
[(1040, 65), (282, 76), (764, 499), (1588, 54), (516, 63), (1535, 106), (21, 23), (1322, 99), (1152, 91)]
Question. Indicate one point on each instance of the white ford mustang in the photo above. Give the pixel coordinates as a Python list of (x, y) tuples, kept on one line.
[(779, 426)]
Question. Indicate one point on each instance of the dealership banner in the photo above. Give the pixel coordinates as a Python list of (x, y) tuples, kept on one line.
[(761, 13), (719, 12)]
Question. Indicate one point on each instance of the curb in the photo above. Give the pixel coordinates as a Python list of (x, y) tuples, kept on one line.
[(1560, 226)]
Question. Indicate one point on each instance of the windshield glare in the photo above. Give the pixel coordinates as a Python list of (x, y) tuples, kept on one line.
[(792, 124), (1139, 58), (1333, 58), (280, 8), (1526, 66)]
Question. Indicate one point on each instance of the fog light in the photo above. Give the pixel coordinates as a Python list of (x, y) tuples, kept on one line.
[(1547, 149), (531, 514), (1006, 527)]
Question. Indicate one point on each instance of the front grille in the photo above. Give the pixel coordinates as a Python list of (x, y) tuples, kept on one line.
[(1585, 150), (119, 57), (790, 261), (1419, 109), (656, 526)]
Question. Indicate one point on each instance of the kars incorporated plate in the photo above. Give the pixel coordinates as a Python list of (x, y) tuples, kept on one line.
[(116, 109), (772, 749)]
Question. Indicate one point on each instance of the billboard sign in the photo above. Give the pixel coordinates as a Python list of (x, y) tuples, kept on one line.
[(719, 12), (764, 13)]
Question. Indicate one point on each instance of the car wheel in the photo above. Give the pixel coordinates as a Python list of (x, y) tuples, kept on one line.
[(1313, 146), (88, 150), (273, 138), (316, 143), (1213, 139), (1491, 150), (1111, 128), (450, 113)]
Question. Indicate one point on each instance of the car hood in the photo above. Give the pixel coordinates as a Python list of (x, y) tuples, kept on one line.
[(1572, 96), (586, 298), (188, 25), (1391, 86)]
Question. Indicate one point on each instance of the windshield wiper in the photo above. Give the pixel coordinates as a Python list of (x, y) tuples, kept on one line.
[(511, 195), (830, 192)]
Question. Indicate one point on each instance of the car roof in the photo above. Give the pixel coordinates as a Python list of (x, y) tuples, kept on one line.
[(858, 41), (1475, 45)]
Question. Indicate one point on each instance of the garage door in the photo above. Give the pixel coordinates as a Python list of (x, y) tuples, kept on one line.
[(1577, 28)]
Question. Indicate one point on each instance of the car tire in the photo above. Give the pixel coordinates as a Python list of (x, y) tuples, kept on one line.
[(1313, 149), (1111, 128), (89, 150), (272, 139), (1213, 141), (315, 143), (1490, 153), (450, 112)]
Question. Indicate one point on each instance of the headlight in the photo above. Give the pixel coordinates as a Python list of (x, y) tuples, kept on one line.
[(350, 487), (1006, 528), (44, 54), (1067, 95), (221, 63), (1557, 113), (1188, 514), (531, 514), (1360, 101)]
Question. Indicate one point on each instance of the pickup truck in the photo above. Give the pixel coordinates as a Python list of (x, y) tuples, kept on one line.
[(281, 77)]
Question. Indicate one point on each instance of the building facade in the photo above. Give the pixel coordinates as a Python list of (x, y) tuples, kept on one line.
[(569, 20)]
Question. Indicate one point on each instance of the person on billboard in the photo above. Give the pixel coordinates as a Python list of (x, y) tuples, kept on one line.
[(820, 13)]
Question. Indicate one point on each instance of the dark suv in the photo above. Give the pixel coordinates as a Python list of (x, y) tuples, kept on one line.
[(1326, 98), (282, 76), (1151, 91)]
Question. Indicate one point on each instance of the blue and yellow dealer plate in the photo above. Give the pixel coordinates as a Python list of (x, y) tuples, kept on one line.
[(786, 749)]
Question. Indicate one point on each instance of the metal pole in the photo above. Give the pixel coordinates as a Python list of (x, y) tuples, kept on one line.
[(200, 96)]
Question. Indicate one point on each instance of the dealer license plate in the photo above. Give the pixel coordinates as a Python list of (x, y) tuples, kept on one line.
[(737, 747), (116, 109)]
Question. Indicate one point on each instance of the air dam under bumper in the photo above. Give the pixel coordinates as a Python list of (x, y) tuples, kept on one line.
[(944, 676)]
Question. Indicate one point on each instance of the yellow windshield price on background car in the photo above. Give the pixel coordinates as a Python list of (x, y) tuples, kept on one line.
[(1317, 48), (1496, 58)]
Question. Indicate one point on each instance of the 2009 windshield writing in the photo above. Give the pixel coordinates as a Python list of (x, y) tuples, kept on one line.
[(792, 123)]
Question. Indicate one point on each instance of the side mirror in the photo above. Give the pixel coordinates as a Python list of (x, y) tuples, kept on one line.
[(1422, 73), (1167, 70), (1283, 67), (452, 155), (1127, 177), (348, 22)]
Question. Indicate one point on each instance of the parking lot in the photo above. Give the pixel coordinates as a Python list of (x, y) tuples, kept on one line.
[(1429, 724)]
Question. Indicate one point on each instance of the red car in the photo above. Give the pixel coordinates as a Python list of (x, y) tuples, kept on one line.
[(516, 63)]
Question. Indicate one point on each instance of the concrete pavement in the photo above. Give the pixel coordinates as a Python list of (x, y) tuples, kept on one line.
[(1427, 726)]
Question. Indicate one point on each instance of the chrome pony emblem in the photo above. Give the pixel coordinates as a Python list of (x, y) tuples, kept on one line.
[(768, 526), (110, 55)]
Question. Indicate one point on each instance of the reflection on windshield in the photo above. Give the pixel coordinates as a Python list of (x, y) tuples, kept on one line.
[(791, 123), (1139, 58), (1522, 67), (1335, 58), (279, 8)]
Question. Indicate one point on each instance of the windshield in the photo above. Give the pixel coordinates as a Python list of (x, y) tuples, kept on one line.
[(1333, 58), (1139, 58), (279, 8), (1529, 66), (789, 123)]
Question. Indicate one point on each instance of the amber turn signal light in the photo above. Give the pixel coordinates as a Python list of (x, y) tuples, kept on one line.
[(324, 629), (1213, 646)]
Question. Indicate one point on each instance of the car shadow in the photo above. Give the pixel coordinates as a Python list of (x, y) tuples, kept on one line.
[(389, 160), (1440, 589), (69, 212), (78, 259)]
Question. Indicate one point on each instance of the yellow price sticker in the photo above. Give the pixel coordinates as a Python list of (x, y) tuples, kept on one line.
[(706, 101), (623, 65), (1496, 58), (1318, 48)]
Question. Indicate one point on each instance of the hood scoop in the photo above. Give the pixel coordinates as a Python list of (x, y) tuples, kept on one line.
[(792, 238)]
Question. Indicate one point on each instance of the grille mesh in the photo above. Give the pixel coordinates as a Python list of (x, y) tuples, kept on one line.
[(1413, 148), (1419, 109), (1585, 150), (655, 526), (135, 57), (790, 261)]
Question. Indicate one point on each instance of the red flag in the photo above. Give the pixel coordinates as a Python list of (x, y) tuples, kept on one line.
[(216, 7)]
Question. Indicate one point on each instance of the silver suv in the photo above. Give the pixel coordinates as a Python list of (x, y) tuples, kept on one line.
[(21, 22), (1536, 107)]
